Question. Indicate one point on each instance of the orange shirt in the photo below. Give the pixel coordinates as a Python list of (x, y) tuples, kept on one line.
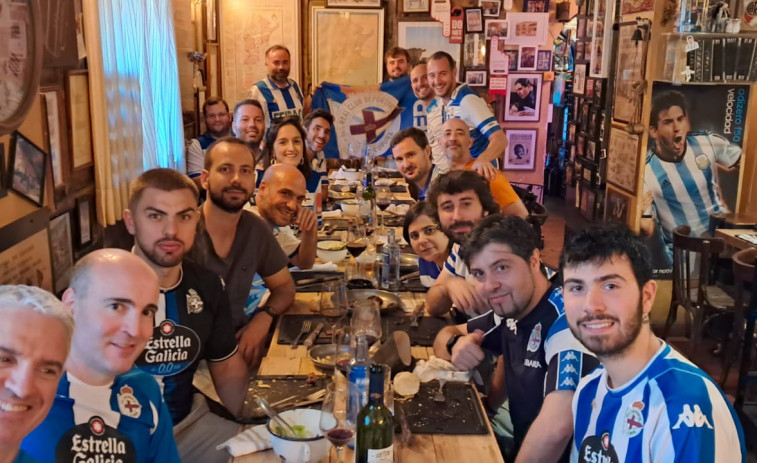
[(501, 190)]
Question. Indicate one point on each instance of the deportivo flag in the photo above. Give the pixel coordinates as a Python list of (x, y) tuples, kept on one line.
[(371, 117)]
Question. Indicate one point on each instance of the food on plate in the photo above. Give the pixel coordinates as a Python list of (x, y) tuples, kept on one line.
[(300, 432), (406, 384), (331, 246)]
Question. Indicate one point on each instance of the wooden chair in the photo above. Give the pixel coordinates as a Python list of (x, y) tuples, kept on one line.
[(692, 288)]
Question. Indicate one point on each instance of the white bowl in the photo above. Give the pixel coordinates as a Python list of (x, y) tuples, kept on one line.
[(350, 206), (329, 255), (290, 449)]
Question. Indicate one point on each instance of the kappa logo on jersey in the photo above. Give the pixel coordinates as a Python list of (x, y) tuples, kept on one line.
[(127, 403), (634, 419), (194, 302), (95, 441), (512, 324), (171, 349), (567, 356), (598, 449), (568, 381), (569, 369), (534, 341), (692, 418)]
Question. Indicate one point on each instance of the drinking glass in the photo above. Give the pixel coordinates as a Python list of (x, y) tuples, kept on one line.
[(333, 303), (339, 415), (383, 200), (366, 320), (356, 242)]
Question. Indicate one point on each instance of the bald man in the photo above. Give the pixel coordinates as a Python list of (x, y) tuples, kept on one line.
[(32, 364), (279, 200), (105, 408), (456, 142)]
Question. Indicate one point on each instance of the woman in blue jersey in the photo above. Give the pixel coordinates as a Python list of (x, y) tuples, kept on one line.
[(286, 143), (427, 240)]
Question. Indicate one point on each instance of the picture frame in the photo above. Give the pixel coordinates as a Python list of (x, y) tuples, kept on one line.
[(544, 60), (3, 176), (475, 78), (627, 71), (580, 51), (61, 252), (512, 56), (84, 221), (211, 20), (589, 89), (52, 99), (362, 25), (601, 45), (617, 206), (535, 6), (353, 3), (572, 132), (587, 205), (490, 8), (496, 28), (474, 20), (474, 50), (527, 28), (521, 149), (28, 168), (82, 154), (623, 160), (423, 38), (416, 6), (591, 150), (579, 79), (519, 107), (581, 145), (527, 57)]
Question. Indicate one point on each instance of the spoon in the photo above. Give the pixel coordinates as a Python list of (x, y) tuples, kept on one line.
[(275, 417)]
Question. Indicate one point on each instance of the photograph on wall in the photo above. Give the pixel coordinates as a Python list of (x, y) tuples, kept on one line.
[(693, 160), (527, 28), (617, 206), (544, 60), (475, 78), (635, 6), (491, 7), (601, 46), (523, 97), (623, 160), (628, 70), (512, 55), (422, 39), (496, 28), (527, 61), (28, 165), (579, 79), (415, 6), (474, 51), (521, 149), (535, 6), (474, 21), (62, 252)]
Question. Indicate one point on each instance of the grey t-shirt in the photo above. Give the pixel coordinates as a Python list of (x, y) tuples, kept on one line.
[(254, 250)]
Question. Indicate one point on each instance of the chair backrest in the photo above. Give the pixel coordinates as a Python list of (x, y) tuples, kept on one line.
[(744, 262), (691, 263)]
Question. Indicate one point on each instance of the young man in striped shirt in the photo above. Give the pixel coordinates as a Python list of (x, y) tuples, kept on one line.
[(647, 403)]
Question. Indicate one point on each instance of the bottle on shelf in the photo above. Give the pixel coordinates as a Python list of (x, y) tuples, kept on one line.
[(375, 424), (359, 369), (390, 263)]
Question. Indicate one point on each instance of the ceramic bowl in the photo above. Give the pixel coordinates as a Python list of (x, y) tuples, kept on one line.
[(329, 250), (290, 449)]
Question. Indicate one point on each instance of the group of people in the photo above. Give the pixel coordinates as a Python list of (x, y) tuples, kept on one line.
[(107, 372)]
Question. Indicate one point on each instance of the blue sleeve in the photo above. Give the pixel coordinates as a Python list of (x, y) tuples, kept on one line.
[(162, 443), (476, 113)]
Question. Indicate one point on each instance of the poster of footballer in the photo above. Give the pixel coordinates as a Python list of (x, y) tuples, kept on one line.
[(692, 163)]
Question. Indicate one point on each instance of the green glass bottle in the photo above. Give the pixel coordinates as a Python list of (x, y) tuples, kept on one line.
[(375, 425)]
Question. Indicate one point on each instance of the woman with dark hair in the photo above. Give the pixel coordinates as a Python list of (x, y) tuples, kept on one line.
[(286, 143), (426, 238)]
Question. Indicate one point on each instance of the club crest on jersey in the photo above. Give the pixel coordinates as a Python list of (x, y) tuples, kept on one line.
[(634, 420), (598, 449), (194, 302), (703, 162), (534, 341), (127, 403), (692, 418), (172, 349), (95, 441)]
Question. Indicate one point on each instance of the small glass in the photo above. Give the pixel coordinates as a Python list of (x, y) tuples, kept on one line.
[(339, 415)]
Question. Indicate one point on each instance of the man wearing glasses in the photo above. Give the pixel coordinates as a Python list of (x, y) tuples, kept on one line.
[(215, 111)]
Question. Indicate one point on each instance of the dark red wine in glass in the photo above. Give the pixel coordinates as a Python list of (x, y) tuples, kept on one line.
[(382, 205), (368, 231), (340, 436), (356, 248)]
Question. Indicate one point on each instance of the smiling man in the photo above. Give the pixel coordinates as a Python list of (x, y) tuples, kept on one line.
[(412, 154), (397, 61), (317, 125), (279, 95), (249, 126), (193, 321), (647, 402), (423, 91), (106, 408), (32, 362), (215, 112), (681, 171), (541, 362)]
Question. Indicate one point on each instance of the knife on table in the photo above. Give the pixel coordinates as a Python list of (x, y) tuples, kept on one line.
[(310, 340)]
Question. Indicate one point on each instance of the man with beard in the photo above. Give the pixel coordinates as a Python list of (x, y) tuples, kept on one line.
[(317, 126), (193, 321), (456, 141), (460, 101), (236, 244), (681, 177), (249, 126), (647, 402), (279, 95), (422, 90), (412, 154), (215, 111), (397, 61), (35, 337), (105, 408), (541, 361)]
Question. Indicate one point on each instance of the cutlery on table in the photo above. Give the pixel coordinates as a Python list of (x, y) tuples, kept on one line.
[(439, 396), (303, 331), (310, 340), (417, 315)]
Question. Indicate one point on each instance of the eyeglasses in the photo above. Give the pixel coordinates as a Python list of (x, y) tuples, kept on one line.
[(217, 116), (427, 231)]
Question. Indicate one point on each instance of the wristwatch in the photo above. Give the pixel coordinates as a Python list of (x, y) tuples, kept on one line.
[(267, 309), (451, 342)]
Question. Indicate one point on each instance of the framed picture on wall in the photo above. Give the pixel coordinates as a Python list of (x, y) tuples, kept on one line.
[(422, 39), (536, 6), (512, 56), (623, 160), (61, 252), (617, 206), (416, 6), (544, 60), (527, 60), (474, 50), (475, 78), (521, 149), (54, 110), (361, 27), (474, 21), (84, 221), (353, 3), (523, 98), (28, 167), (491, 7), (527, 28), (579, 79), (601, 46), (3, 187), (496, 28), (82, 154)]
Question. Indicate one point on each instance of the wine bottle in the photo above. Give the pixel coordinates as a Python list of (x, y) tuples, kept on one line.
[(375, 425), (359, 367)]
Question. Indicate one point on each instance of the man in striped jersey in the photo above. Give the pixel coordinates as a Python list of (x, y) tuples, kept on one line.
[(647, 403), (279, 95), (681, 173), (106, 409)]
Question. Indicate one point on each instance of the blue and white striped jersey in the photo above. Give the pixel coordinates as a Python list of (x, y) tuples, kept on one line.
[(687, 192), (277, 102), (125, 421), (670, 412)]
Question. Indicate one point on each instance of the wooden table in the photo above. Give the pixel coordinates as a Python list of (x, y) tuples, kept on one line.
[(730, 236), (424, 448)]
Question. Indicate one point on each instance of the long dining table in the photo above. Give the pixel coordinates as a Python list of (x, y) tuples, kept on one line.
[(422, 448)]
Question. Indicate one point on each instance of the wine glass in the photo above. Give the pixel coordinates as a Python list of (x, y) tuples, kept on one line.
[(356, 242), (383, 200), (339, 415), (366, 320), (333, 303)]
